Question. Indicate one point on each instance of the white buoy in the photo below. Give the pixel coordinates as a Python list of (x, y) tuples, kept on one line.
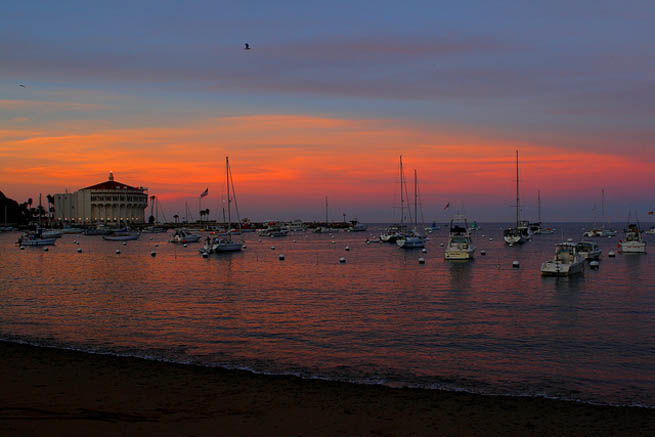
[(611, 254), (150, 238), (421, 260), (294, 241), (205, 255), (491, 239), (260, 240), (281, 257), (347, 248), (594, 264), (331, 236), (79, 250), (333, 242), (157, 244), (124, 243), (342, 260), (77, 242), (184, 245), (244, 247), (515, 264), (74, 241), (483, 252), (153, 254), (569, 240), (45, 249), (368, 242), (118, 251), (22, 248), (424, 250), (272, 247), (440, 244)]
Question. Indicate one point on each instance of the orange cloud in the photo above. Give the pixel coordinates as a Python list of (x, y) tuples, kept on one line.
[(292, 157)]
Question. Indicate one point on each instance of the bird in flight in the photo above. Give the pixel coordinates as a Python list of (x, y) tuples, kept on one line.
[(247, 47), (21, 85)]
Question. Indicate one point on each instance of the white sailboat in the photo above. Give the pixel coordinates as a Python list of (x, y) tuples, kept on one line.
[(410, 239), (224, 243), (182, 236), (325, 229), (520, 233), (566, 262)]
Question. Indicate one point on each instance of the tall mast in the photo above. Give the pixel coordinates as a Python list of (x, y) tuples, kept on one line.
[(326, 211), (227, 183), (539, 206), (39, 210), (517, 190), (604, 208), (402, 199), (415, 200)]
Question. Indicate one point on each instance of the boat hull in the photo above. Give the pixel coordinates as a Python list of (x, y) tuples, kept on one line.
[(120, 237), (632, 247), (459, 254), (39, 242), (554, 268), (410, 243)]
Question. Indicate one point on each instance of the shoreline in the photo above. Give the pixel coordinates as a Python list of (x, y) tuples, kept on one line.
[(54, 391)]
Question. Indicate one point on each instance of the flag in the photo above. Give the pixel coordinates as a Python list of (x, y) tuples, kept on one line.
[(204, 193), (447, 205)]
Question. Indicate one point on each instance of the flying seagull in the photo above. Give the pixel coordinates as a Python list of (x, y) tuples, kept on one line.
[(22, 85), (247, 47)]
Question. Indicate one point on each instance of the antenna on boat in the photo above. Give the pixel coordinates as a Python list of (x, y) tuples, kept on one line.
[(518, 217)]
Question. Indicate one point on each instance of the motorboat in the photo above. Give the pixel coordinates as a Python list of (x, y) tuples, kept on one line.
[(410, 240), (566, 262), (35, 239), (433, 227), (182, 236), (122, 236), (296, 226), (588, 250), (98, 230), (650, 231), (51, 233), (221, 244), (513, 236), (460, 244), (356, 226), (633, 241), (391, 234), (274, 230)]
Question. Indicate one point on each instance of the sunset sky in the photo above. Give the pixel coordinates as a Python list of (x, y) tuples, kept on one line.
[(328, 98)]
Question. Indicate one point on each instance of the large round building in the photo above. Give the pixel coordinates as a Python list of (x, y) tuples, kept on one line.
[(108, 202)]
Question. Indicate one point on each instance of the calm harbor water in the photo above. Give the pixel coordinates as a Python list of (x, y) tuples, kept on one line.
[(381, 317)]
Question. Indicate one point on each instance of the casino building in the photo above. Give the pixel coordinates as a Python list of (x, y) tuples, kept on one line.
[(108, 202)]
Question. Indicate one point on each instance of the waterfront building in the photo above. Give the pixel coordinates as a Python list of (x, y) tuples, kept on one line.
[(108, 202)]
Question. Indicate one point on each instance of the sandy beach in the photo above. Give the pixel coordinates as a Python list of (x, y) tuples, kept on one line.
[(57, 392)]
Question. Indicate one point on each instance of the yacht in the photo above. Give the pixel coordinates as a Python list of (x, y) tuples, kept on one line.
[(460, 245), (519, 233), (633, 242), (274, 230), (433, 227), (588, 250), (391, 234), (650, 231), (566, 262), (411, 239), (122, 236), (221, 244), (182, 236), (35, 239), (356, 226), (296, 226)]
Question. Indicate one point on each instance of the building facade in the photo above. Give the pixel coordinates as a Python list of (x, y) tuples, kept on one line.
[(108, 202)]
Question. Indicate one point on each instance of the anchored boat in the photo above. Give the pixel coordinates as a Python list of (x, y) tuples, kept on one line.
[(460, 244), (566, 262)]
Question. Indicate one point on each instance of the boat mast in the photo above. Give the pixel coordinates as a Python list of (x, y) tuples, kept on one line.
[(517, 190), (415, 200), (39, 210), (227, 183), (539, 206), (603, 206), (402, 200), (326, 212)]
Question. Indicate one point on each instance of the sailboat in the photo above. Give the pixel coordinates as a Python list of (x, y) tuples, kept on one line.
[(633, 242), (520, 233), (411, 239), (325, 229), (224, 243)]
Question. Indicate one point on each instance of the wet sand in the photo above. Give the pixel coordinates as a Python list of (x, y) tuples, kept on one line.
[(56, 392)]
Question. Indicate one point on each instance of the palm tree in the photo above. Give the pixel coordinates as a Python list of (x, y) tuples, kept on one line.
[(176, 217), (51, 200)]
